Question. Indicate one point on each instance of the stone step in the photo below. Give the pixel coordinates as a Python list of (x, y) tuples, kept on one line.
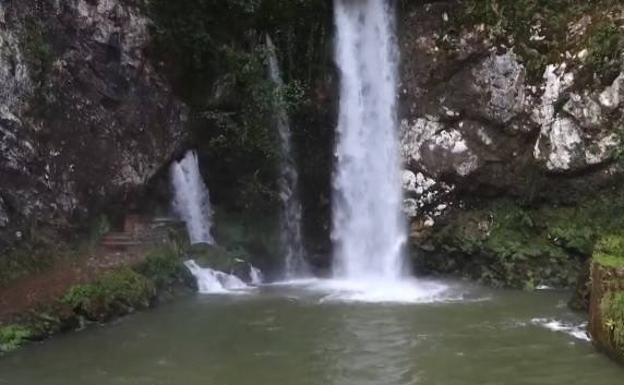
[(119, 243), (117, 236), (165, 220)]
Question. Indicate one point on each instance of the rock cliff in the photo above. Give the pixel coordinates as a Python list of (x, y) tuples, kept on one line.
[(506, 100), (85, 119)]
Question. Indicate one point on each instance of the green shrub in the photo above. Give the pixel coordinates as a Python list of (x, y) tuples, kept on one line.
[(115, 293), (12, 337), (162, 266)]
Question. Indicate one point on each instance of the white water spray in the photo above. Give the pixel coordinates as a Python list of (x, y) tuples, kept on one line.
[(211, 281), (369, 231), (191, 200), (292, 245)]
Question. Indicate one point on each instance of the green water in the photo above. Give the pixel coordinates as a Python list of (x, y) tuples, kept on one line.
[(284, 336)]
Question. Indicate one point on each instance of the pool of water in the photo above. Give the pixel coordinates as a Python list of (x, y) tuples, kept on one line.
[(290, 335)]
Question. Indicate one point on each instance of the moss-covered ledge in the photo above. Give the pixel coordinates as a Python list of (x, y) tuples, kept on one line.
[(160, 276), (606, 313)]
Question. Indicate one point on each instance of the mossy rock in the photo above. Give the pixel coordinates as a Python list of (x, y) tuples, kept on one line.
[(514, 23), (502, 242), (606, 313), (612, 308), (505, 245)]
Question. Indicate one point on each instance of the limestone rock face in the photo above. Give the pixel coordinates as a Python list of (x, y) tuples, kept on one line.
[(85, 119), (471, 116)]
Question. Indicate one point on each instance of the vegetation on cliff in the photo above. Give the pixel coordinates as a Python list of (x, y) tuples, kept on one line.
[(502, 242), (540, 31), (110, 295)]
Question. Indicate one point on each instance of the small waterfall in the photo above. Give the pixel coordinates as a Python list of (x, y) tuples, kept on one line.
[(191, 200), (292, 245), (369, 231), (255, 275), (211, 281)]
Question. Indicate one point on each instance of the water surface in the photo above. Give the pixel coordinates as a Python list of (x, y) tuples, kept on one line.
[(288, 336)]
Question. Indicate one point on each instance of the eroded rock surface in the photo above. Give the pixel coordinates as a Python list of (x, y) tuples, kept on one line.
[(85, 120), (472, 117)]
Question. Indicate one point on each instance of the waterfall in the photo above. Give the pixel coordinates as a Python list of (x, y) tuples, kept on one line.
[(292, 245), (369, 231), (255, 275), (211, 281), (191, 200)]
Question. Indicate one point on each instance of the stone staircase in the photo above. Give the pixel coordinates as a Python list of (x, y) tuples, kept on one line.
[(140, 231)]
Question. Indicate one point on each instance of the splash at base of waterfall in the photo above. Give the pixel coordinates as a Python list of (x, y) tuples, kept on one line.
[(211, 281), (404, 291)]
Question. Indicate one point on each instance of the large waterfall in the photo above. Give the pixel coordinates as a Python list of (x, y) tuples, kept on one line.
[(191, 201), (369, 231), (292, 245)]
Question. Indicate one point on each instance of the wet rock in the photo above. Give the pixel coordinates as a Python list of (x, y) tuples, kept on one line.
[(4, 217), (500, 80)]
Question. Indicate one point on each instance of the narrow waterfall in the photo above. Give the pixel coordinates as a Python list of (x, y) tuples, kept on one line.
[(191, 201), (292, 245), (369, 231)]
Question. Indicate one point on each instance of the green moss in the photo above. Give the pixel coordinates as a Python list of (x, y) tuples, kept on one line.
[(13, 336), (114, 293), (514, 23), (606, 45), (504, 243), (612, 308), (609, 251)]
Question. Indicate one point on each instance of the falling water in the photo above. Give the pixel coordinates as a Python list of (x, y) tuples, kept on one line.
[(292, 245), (211, 281), (191, 201), (255, 275), (369, 231)]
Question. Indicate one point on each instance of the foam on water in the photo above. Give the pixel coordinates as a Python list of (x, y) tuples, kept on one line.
[(405, 291), (578, 331)]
